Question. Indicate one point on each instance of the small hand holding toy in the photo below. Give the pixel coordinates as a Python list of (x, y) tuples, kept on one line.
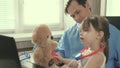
[(54, 54)]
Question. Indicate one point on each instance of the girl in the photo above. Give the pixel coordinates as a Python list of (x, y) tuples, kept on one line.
[(94, 34)]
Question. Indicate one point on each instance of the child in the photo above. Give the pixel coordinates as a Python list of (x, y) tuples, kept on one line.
[(94, 34)]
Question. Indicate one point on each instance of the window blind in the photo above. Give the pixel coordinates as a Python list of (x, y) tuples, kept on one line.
[(7, 18), (19, 16), (42, 11)]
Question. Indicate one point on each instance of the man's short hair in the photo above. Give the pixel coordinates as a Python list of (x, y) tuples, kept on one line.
[(80, 2)]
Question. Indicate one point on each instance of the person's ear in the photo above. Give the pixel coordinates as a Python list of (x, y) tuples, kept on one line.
[(100, 34), (87, 5)]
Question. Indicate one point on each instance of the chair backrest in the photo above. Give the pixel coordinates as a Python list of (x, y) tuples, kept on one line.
[(114, 20), (8, 53)]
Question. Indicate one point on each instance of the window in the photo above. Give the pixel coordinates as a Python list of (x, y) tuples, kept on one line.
[(7, 18), (112, 8), (22, 15)]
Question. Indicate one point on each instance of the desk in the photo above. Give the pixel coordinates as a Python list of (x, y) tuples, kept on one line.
[(28, 64)]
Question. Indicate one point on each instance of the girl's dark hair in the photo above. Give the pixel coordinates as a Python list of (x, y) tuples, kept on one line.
[(80, 2), (99, 23)]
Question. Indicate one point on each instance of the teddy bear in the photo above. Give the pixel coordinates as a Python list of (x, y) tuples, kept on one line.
[(42, 37)]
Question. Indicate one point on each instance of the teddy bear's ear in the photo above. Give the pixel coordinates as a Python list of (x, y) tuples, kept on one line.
[(34, 38)]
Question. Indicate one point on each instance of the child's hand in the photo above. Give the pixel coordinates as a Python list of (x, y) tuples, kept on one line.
[(59, 61), (57, 58), (54, 54)]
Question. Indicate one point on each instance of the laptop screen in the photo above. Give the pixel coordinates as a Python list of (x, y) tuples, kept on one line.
[(8, 53)]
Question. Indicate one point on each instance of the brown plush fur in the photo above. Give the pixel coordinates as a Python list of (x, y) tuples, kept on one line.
[(45, 45)]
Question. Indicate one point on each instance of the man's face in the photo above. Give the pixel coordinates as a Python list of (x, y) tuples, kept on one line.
[(78, 12)]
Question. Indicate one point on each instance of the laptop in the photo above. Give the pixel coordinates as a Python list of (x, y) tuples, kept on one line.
[(9, 55)]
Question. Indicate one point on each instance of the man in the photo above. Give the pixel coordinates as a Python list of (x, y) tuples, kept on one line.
[(70, 45)]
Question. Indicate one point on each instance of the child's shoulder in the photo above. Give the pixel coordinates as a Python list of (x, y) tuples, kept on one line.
[(98, 58)]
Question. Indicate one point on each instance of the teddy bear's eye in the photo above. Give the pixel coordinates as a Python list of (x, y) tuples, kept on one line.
[(51, 37)]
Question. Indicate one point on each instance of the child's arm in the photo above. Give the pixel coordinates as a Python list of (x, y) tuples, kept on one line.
[(68, 62)]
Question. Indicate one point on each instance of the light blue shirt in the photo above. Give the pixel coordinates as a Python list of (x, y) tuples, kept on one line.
[(70, 45)]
